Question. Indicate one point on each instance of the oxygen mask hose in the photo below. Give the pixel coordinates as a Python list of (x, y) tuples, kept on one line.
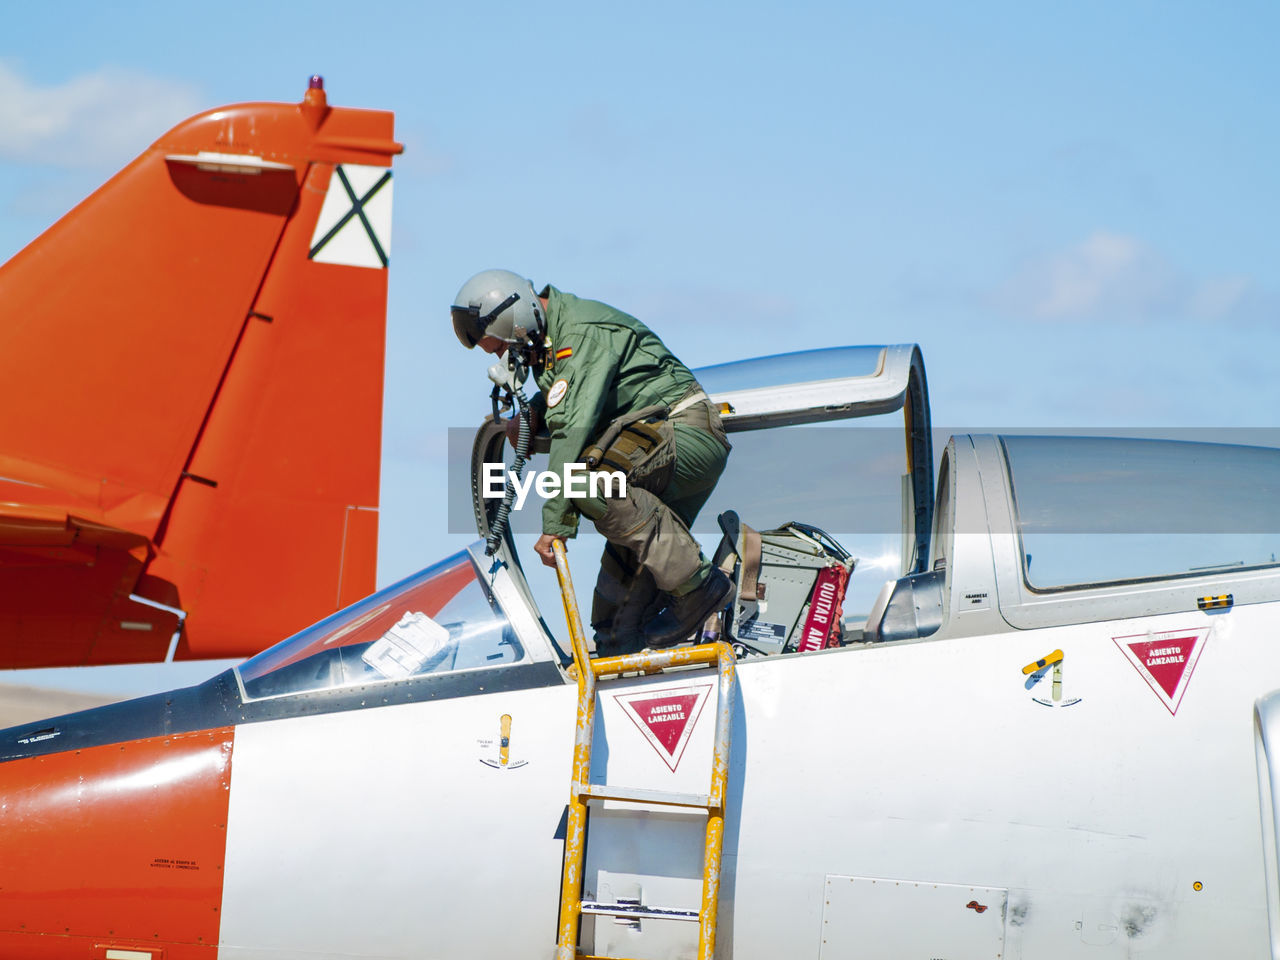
[(499, 528), (523, 439)]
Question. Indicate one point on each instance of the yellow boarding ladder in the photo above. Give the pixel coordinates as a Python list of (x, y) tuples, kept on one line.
[(581, 790)]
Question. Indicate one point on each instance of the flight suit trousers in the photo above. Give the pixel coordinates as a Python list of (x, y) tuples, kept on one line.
[(650, 550)]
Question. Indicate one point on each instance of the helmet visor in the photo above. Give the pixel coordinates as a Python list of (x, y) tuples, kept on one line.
[(470, 326), (467, 325)]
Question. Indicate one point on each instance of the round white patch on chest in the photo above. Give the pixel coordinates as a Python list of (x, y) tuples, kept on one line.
[(557, 392)]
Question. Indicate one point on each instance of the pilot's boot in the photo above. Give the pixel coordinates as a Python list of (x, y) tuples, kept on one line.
[(686, 613)]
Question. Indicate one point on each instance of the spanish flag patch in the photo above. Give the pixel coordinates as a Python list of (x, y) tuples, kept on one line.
[(564, 353)]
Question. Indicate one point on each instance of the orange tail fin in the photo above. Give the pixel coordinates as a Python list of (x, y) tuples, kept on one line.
[(191, 369)]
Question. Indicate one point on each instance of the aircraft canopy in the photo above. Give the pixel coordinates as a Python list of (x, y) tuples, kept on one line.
[(1147, 508), (810, 386)]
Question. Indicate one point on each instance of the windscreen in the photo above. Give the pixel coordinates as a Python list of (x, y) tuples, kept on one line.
[(441, 620)]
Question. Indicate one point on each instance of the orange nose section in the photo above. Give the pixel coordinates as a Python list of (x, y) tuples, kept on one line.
[(116, 850)]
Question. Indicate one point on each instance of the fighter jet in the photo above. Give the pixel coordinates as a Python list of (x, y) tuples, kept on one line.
[(191, 392), (1027, 711)]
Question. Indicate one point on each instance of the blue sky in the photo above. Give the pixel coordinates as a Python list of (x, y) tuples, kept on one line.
[(1071, 208)]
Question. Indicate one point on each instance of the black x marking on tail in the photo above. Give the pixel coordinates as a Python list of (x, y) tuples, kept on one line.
[(357, 210)]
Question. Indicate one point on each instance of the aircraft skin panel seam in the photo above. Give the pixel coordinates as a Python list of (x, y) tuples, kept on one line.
[(216, 703)]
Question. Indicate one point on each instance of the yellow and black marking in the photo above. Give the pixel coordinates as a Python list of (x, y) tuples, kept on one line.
[(1055, 657), (503, 761), (1220, 602)]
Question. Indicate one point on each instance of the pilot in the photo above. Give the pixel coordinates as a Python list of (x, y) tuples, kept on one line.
[(614, 397)]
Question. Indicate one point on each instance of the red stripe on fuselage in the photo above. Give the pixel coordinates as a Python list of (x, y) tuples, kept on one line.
[(120, 845)]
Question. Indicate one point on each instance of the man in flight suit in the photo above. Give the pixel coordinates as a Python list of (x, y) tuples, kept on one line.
[(615, 397)]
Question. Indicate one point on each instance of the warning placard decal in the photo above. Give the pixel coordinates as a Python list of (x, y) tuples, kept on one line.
[(666, 719), (1165, 660)]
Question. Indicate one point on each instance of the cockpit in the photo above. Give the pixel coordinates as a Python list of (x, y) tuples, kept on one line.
[(462, 616), (828, 518)]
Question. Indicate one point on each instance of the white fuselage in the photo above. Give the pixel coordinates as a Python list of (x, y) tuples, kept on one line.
[(1097, 826)]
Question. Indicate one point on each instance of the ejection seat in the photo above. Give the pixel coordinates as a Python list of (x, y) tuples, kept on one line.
[(791, 585)]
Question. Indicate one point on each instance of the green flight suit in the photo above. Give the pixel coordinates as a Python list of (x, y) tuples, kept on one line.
[(608, 365)]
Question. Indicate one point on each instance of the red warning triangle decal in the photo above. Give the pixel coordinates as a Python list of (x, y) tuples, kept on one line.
[(667, 718), (1165, 660)]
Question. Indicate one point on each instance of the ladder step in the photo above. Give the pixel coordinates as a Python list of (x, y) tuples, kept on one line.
[(637, 910), (600, 791)]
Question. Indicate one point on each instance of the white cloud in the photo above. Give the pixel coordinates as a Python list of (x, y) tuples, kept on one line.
[(1114, 277), (98, 118), (1107, 273), (1221, 297)]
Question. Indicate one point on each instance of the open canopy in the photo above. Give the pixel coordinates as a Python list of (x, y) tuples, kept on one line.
[(810, 386)]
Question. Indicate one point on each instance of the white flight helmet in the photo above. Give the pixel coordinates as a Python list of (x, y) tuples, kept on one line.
[(497, 303)]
